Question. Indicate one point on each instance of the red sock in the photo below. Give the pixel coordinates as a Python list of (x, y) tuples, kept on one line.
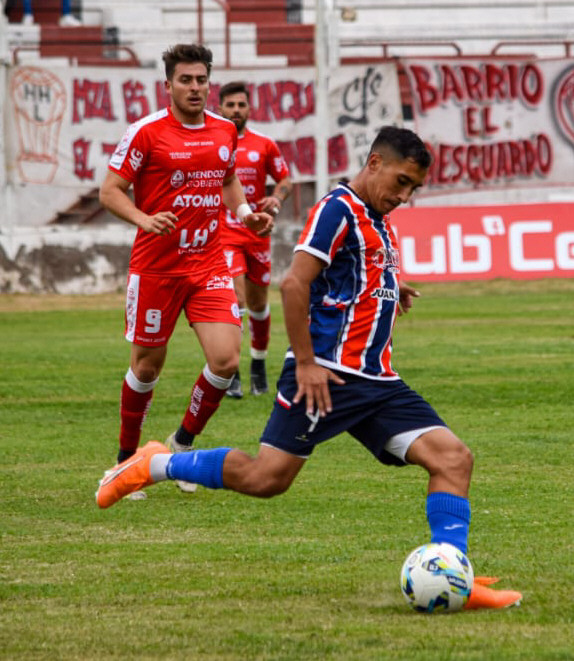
[(259, 329), (205, 400), (133, 410)]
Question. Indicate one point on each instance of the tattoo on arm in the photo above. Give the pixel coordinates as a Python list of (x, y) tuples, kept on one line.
[(282, 192)]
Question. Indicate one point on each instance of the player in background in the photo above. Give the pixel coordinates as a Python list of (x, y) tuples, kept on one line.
[(181, 164), (248, 255), (341, 297)]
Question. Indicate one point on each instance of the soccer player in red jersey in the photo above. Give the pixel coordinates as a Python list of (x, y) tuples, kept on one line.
[(181, 164), (248, 255), (341, 297)]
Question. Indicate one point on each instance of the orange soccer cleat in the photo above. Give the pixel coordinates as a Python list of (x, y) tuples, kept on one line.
[(130, 475), (482, 596)]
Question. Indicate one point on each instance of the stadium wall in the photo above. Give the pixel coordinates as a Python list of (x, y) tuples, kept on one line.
[(501, 130)]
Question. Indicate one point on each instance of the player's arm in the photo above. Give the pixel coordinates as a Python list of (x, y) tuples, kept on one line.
[(235, 200), (273, 203), (312, 379), (114, 197)]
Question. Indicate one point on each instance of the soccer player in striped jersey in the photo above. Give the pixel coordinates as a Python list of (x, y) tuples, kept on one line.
[(248, 255), (341, 297), (181, 163)]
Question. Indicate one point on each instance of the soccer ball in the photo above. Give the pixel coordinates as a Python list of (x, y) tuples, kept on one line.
[(437, 577)]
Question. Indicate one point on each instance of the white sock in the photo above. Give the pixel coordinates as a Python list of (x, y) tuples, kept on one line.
[(158, 465), (139, 386), (219, 382), (260, 315)]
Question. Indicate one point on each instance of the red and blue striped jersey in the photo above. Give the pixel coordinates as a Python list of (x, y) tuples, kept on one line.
[(354, 300)]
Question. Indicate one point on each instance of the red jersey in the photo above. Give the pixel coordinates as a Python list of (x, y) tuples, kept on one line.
[(179, 168), (257, 157)]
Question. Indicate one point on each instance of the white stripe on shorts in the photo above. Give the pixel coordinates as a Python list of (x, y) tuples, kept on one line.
[(132, 295), (398, 444)]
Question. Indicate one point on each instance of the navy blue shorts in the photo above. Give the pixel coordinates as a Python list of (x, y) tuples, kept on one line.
[(371, 411)]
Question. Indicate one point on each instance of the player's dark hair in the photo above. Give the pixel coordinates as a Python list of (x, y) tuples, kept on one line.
[(234, 87), (189, 53), (404, 143)]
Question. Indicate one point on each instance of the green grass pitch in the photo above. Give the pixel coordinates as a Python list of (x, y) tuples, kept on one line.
[(312, 574)]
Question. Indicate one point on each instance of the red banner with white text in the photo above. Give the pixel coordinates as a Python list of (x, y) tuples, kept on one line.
[(441, 244)]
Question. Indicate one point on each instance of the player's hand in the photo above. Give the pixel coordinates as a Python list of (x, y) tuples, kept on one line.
[(160, 223), (260, 222), (406, 295), (313, 385), (270, 204)]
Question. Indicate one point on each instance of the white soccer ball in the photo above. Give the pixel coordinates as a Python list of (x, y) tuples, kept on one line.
[(437, 577)]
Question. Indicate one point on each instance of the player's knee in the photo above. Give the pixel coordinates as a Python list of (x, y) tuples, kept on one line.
[(270, 486), (146, 373), (259, 307), (229, 369), (225, 365), (443, 455), (465, 459), (456, 459)]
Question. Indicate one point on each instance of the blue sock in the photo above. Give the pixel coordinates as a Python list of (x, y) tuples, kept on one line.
[(449, 519), (203, 467)]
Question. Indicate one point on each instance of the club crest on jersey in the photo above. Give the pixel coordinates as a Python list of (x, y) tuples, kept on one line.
[(177, 179), (224, 153), (253, 156), (386, 258)]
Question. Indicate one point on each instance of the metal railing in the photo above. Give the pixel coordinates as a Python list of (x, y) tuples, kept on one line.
[(568, 45)]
